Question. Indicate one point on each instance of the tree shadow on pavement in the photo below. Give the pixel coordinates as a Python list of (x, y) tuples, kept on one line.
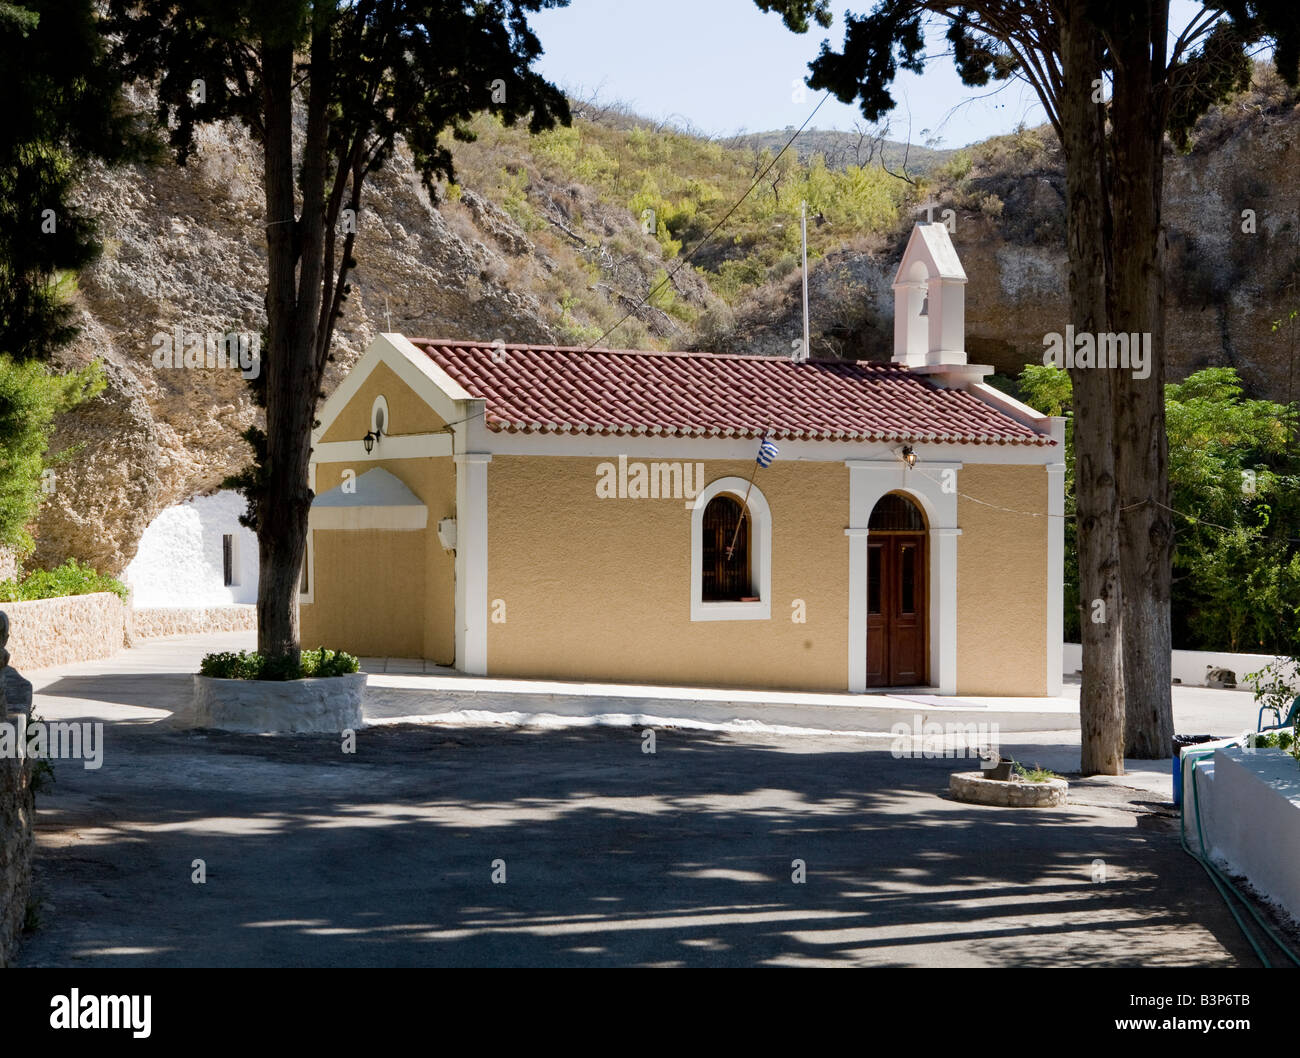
[(610, 856)]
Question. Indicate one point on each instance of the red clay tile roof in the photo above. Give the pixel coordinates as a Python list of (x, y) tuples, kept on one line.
[(550, 389)]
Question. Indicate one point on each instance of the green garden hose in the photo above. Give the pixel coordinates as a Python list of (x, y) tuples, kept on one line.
[(1220, 879)]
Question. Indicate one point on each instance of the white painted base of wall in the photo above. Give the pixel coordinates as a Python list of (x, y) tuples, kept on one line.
[(330, 704), (1188, 666), (431, 694), (1250, 812)]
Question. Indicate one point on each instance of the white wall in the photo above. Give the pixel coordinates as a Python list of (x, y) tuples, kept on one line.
[(1187, 665), (1263, 787), (179, 562)]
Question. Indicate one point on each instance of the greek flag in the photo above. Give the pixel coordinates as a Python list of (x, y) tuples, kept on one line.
[(766, 454)]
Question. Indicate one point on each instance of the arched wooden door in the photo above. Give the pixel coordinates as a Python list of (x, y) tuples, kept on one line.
[(897, 594)]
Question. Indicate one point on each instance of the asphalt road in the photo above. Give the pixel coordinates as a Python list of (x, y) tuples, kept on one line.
[(604, 856)]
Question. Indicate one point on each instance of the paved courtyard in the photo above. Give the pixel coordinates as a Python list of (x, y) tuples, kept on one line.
[(602, 854)]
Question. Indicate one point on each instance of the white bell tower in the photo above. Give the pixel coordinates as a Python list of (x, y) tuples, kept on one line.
[(930, 310)]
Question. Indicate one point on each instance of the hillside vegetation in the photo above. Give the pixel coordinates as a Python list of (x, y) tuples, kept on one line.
[(675, 188)]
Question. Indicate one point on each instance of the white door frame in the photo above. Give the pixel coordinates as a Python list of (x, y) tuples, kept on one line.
[(934, 488)]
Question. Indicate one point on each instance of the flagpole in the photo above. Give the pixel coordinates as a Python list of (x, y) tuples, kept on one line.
[(744, 507)]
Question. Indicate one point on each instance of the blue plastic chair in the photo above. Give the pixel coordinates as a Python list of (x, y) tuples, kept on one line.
[(1290, 720)]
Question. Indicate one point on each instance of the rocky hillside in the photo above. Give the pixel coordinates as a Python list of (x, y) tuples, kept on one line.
[(1227, 287), (184, 247), (548, 240)]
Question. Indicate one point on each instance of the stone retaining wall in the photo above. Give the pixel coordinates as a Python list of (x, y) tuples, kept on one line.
[(16, 815), (47, 632), (156, 621)]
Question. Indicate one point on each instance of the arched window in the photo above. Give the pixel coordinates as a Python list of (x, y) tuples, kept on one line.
[(896, 513), (725, 571), (731, 553)]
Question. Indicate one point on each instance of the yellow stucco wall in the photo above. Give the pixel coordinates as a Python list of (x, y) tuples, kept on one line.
[(407, 410), (408, 570), (1002, 582), (369, 591), (600, 588)]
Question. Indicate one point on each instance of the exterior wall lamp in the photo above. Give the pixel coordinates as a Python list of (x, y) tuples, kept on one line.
[(909, 456), (369, 440)]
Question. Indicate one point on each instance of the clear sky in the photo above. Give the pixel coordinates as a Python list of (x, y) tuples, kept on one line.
[(724, 66)]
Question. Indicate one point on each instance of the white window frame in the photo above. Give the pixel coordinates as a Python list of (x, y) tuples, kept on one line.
[(760, 546)]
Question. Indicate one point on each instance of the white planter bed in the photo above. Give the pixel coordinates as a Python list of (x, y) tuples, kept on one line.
[(1250, 812), (326, 704)]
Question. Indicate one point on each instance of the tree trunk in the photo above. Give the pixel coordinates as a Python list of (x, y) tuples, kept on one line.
[(1101, 698), (278, 560), (1137, 292), (294, 362)]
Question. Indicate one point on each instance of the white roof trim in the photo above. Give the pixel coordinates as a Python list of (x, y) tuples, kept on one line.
[(444, 395), (1012, 408)]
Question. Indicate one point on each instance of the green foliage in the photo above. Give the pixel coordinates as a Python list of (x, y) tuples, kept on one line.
[(1282, 740), (250, 665), (664, 297), (994, 42), (1286, 741), (42, 774), (1034, 774), (956, 169), (737, 277), (62, 100), (680, 186), (30, 398), (1276, 686), (512, 191), (1046, 388), (1234, 467), (71, 578), (1233, 464)]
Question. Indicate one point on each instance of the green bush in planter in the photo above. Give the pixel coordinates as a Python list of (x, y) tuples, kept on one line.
[(1283, 740), (250, 665)]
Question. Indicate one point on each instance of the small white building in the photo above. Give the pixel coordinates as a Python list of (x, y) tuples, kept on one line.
[(196, 554)]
